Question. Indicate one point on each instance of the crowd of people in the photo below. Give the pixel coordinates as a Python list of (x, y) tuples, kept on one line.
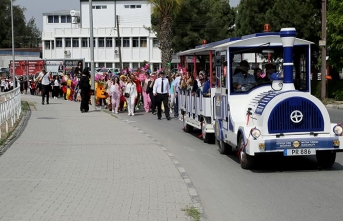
[(153, 91)]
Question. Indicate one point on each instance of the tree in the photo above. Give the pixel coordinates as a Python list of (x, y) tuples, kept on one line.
[(335, 33), (208, 20), (21, 28), (164, 11), (251, 16)]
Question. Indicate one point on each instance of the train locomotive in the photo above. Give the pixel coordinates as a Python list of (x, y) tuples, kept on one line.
[(277, 116)]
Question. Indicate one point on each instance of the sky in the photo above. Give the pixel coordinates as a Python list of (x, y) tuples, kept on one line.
[(36, 8)]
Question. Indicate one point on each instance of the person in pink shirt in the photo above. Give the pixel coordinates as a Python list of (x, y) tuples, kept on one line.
[(115, 92)]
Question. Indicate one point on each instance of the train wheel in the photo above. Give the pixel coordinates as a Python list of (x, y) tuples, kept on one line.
[(186, 127), (326, 159), (224, 148), (205, 136), (245, 160)]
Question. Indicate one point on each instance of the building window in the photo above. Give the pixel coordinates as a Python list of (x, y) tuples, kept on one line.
[(84, 42), (68, 42), (132, 6), (109, 43), (126, 42), (47, 44), (75, 42), (88, 64), (52, 45), (50, 19), (104, 7), (135, 65), (109, 65), (126, 65), (65, 19), (53, 19), (101, 42), (143, 42), (98, 6), (101, 65), (155, 43), (118, 42), (135, 42), (58, 42)]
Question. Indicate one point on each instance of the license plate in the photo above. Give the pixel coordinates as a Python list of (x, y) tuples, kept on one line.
[(299, 152)]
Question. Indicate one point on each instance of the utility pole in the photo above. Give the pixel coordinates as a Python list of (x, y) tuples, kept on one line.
[(93, 100), (13, 55), (119, 46), (323, 45)]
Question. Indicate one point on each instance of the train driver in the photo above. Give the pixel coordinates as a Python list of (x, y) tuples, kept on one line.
[(243, 80)]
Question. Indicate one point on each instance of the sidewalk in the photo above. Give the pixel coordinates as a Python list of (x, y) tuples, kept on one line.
[(72, 166)]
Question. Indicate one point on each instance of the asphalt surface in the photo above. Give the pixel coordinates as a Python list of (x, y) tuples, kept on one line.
[(279, 188)]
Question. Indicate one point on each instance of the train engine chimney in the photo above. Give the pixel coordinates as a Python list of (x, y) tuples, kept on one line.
[(288, 37)]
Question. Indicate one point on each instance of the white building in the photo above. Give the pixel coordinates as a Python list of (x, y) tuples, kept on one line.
[(68, 37)]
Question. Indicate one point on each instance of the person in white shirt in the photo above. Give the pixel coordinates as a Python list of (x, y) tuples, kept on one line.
[(176, 93), (56, 88), (130, 94), (2, 85), (161, 93), (44, 78)]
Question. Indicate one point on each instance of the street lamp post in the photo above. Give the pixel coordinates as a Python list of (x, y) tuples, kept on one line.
[(92, 51), (13, 56)]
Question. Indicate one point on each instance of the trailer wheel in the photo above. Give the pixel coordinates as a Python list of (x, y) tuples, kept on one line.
[(326, 159), (205, 136), (224, 148), (186, 127), (245, 160)]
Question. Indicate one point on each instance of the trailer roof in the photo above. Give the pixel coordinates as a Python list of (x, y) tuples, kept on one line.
[(253, 40)]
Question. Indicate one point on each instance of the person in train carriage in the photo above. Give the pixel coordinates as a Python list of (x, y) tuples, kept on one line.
[(260, 77), (243, 80), (206, 91)]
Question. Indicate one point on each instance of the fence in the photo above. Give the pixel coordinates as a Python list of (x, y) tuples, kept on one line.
[(10, 108)]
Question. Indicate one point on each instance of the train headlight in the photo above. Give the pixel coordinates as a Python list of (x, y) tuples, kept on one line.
[(255, 133), (338, 130)]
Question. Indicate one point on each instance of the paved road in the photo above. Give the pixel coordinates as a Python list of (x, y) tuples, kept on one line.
[(72, 166), (280, 189), (62, 178)]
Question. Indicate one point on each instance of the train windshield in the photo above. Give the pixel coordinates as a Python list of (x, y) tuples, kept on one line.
[(251, 68)]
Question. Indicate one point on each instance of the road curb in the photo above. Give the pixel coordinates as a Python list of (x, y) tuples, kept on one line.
[(191, 189), (335, 106), (18, 130)]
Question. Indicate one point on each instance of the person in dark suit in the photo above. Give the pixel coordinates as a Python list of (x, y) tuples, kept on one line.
[(84, 86), (61, 68), (161, 93)]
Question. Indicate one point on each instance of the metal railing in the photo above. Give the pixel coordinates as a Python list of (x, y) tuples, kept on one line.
[(10, 108)]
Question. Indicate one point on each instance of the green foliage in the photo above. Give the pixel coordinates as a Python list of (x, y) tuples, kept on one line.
[(199, 20), (338, 94), (26, 34), (304, 15), (335, 32), (193, 213)]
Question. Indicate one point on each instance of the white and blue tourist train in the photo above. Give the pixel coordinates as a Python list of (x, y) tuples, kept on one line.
[(278, 115)]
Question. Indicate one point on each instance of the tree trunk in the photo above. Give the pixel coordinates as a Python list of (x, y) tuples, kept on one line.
[(166, 37)]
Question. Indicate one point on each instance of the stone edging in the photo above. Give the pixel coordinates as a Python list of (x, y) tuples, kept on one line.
[(191, 190), (17, 131)]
